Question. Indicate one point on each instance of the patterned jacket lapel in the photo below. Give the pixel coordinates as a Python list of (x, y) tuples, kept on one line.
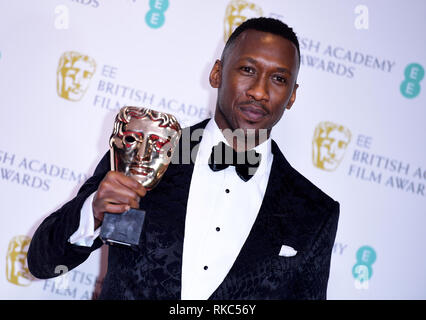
[(164, 230)]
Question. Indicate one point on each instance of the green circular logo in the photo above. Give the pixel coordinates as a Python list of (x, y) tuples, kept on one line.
[(155, 17), (160, 5), (410, 87), (414, 72), (362, 272), (365, 257)]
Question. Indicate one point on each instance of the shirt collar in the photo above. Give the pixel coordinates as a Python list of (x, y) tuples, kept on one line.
[(213, 135)]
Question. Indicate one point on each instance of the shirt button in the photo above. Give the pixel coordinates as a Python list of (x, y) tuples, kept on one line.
[(227, 190), (206, 267), (217, 229)]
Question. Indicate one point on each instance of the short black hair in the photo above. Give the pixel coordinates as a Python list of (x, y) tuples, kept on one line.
[(264, 24)]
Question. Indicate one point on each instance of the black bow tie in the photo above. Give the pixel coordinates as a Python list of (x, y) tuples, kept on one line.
[(245, 163)]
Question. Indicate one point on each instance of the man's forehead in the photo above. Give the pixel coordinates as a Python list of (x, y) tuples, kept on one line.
[(264, 38), (251, 41)]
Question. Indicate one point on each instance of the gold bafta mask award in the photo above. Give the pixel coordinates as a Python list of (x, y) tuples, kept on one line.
[(141, 146), (75, 70), (16, 261), (329, 145)]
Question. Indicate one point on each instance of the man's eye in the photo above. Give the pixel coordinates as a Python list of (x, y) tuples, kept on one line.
[(280, 79), (246, 69)]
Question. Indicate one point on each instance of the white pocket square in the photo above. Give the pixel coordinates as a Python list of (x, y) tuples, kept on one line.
[(287, 251)]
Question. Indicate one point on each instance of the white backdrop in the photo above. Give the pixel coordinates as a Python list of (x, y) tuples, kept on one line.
[(362, 70)]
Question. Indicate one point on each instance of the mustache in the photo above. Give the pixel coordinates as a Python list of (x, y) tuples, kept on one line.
[(253, 103)]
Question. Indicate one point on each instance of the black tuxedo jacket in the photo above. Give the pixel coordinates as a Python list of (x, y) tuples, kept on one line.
[(294, 213)]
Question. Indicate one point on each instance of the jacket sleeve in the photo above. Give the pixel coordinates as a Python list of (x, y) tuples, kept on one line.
[(316, 269), (49, 246)]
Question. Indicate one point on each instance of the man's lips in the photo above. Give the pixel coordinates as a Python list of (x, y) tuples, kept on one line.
[(252, 112)]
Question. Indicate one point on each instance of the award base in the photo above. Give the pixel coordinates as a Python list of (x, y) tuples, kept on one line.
[(124, 229)]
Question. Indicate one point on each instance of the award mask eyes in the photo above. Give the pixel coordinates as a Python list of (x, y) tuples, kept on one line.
[(157, 142), (131, 138)]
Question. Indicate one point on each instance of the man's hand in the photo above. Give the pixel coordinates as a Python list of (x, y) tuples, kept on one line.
[(117, 193)]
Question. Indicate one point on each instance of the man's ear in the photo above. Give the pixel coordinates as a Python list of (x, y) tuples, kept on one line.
[(293, 97), (216, 74)]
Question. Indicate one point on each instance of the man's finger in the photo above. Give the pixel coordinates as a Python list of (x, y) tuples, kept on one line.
[(121, 196), (126, 181), (130, 183), (134, 204), (116, 208)]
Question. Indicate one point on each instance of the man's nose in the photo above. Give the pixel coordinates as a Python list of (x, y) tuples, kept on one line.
[(259, 89)]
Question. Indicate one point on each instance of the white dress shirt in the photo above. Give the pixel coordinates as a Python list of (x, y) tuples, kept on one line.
[(220, 213), (86, 233)]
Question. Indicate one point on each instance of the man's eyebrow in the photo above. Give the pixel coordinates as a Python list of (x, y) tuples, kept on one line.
[(279, 69), (284, 70)]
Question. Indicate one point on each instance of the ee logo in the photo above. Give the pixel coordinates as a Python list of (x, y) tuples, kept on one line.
[(155, 18), (410, 87), (362, 270)]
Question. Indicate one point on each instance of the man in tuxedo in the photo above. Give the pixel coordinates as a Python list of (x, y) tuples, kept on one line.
[(212, 231)]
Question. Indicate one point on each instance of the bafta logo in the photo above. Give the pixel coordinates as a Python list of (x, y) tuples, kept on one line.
[(237, 12), (329, 145), (73, 75), (16, 261)]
